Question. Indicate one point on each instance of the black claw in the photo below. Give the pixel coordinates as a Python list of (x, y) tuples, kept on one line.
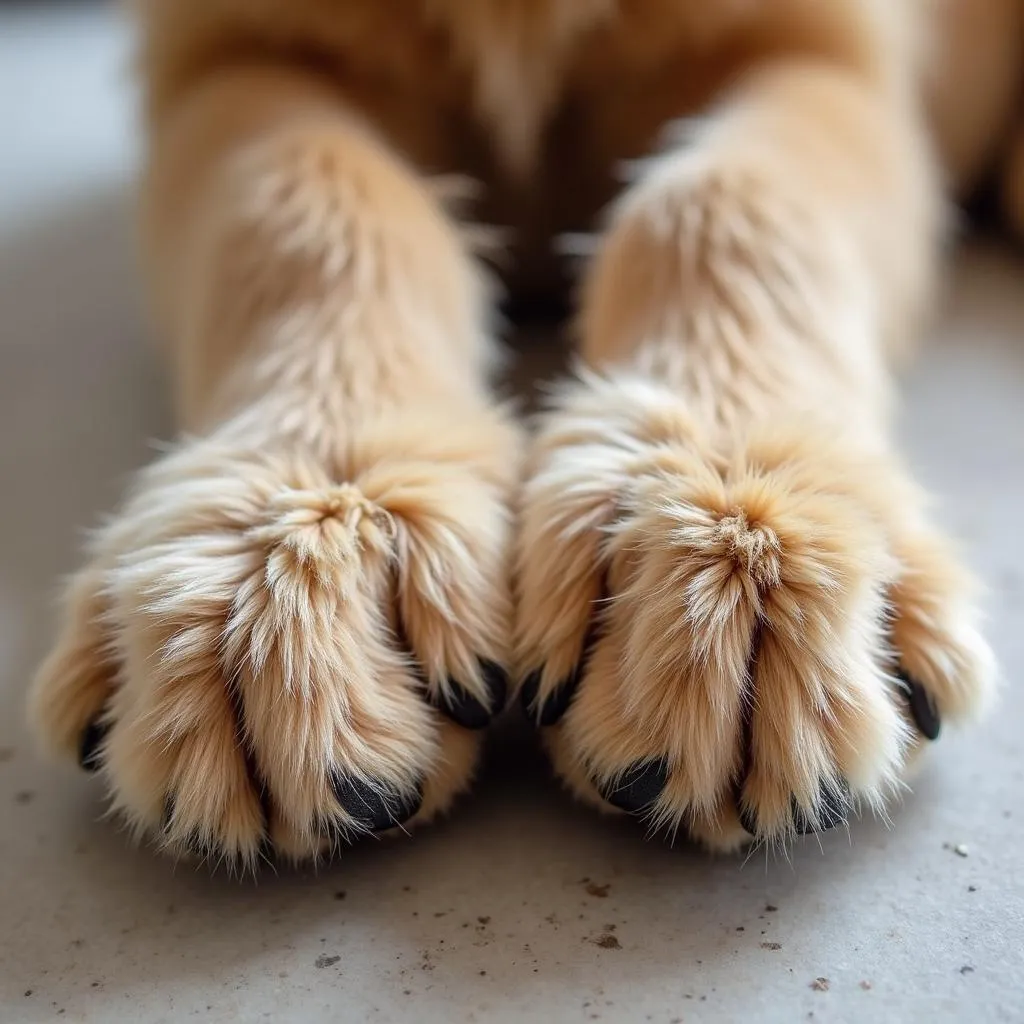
[(922, 707), (496, 679), (90, 752), (558, 701), (638, 787), (748, 818), (465, 709), (375, 807), (833, 808)]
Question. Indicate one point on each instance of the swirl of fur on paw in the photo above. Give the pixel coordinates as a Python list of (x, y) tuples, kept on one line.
[(757, 589), (335, 533)]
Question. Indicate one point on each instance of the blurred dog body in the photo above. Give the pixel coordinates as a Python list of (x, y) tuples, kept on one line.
[(543, 100)]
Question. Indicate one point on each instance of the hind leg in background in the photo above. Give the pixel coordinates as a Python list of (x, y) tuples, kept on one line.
[(734, 616), (297, 625)]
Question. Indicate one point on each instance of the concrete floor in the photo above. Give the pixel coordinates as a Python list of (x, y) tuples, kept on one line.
[(522, 906)]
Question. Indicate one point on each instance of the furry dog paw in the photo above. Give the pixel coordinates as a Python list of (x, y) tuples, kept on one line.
[(259, 656), (744, 636)]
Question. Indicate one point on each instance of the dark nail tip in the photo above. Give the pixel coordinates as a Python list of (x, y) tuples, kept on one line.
[(555, 705), (557, 702), (922, 707), (373, 806), (496, 680), (90, 752), (833, 808), (528, 692), (748, 818), (465, 709), (638, 787)]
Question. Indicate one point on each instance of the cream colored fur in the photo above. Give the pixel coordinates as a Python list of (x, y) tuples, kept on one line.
[(294, 601)]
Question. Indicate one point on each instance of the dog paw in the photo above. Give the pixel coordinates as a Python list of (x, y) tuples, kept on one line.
[(748, 637), (260, 657)]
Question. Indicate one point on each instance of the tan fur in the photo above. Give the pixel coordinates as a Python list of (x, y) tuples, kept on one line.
[(337, 520)]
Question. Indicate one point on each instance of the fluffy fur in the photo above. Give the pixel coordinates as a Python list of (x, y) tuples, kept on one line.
[(297, 597)]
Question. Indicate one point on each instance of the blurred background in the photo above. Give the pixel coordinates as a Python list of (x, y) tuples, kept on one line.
[(509, 906)]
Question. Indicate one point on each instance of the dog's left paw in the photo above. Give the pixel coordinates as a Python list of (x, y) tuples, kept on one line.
[(745, 636)]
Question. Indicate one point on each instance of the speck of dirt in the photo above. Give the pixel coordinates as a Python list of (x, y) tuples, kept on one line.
[(960, 849), (24, 796), (967, 969), (28, 992), (600, 891), (340, 894), (972, 888), (740, 928), (440, 913), (607, 941), (406, 991), (406, 888), (484, 920), (866, 985), (770, 908), (483, 974), (94, 984), (323, 961), (771, 945), (820, 984)]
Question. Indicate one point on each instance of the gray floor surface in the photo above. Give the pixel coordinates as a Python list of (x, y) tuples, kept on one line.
[(521, 906)]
